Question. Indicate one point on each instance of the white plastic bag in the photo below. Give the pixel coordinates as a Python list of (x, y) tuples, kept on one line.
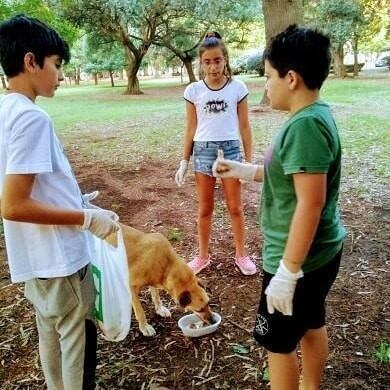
[(113, 296)]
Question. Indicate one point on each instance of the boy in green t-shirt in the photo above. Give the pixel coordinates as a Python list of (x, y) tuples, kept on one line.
[(299, 213)]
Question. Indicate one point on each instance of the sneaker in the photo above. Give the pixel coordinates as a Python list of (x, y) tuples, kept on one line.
[(246, 265), (197, 264)]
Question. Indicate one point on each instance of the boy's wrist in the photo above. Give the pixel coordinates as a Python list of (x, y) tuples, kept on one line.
[(293, 267)]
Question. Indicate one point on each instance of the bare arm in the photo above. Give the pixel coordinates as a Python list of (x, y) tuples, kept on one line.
[(245, 130), (17, 204), (310, 190), (191, 123)]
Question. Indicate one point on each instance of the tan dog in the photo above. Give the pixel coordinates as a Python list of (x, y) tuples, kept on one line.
[(154, 263)]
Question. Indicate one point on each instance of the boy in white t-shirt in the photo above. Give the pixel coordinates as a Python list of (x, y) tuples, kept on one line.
[(44, 214)]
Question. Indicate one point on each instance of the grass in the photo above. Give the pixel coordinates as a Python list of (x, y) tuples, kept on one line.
[(362, 111), (102, 122), (175, 234), (87, 105), (382, 353)]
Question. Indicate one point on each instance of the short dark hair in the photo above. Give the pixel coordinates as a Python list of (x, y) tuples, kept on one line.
[(22, 34), (304, 50)]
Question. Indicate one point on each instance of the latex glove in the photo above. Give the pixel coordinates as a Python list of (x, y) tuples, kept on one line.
[(233, 169), (281, 289), (87, 199), (100, 222), (180, 176)]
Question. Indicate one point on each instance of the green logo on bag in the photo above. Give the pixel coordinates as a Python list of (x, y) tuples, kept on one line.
[(97, 279)]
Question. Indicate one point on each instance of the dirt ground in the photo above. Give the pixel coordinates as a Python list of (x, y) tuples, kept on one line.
[(147, 199)]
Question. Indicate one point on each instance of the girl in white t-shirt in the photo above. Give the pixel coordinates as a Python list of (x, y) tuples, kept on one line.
[(217, 118)]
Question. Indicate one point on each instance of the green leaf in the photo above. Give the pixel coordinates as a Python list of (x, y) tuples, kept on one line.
[(238, 348)]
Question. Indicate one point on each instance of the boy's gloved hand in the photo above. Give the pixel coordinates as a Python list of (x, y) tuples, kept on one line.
[(181, 173), (100, 222), (87, 199), (233, 169), (281, 289)]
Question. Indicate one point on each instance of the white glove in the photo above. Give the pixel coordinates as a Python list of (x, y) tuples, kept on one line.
[(180, 176), (87, 199), (100, 222), (281, 289), (233, 169)]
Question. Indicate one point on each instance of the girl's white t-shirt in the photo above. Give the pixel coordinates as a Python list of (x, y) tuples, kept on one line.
[(29, 145), (216, 110)]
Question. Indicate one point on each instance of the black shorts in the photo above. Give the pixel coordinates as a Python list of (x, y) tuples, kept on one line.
[(281, 334)]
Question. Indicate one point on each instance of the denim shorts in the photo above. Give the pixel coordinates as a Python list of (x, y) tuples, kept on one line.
[(205, 153)]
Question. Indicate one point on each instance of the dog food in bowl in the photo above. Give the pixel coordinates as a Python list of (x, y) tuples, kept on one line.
[(192, 326), (197, 325)]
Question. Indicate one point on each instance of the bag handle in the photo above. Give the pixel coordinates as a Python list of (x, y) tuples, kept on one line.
[(120, 241), (121, 247)]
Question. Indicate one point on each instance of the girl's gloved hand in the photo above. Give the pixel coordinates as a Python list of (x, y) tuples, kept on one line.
[(181, 173)]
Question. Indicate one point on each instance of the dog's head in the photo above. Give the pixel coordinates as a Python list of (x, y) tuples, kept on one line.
[(194, 298)]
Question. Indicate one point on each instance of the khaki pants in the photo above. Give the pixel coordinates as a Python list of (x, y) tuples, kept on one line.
[(62, 306)]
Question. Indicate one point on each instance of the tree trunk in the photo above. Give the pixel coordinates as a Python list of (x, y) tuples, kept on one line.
[(355, 56), (112, 79), (338, 55), (77, 76), (133, 65), (3, 82), (157, 73), (279, 14), (95, 78), (188, 64)]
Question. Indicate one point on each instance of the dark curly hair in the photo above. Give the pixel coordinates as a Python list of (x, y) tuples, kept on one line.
[(304, 50)]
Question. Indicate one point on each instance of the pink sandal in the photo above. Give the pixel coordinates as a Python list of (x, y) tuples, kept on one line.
[(198, 263), (246, 265)]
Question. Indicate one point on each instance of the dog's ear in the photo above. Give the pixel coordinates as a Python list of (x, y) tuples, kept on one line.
[(185, 298)]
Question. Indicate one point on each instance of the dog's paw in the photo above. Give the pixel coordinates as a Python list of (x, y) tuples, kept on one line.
[(147, 330), (163, 311)]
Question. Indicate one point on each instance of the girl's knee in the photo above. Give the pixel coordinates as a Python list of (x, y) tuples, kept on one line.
[(235, 211), (205, 210)]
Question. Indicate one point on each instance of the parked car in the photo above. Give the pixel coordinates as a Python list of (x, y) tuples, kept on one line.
[(249, 62), (384, 61)]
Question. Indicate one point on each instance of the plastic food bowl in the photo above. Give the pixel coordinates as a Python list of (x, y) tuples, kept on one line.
[(189, 325)]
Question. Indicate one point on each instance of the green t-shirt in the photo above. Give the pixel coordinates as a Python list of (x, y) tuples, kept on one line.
[(307, 142)]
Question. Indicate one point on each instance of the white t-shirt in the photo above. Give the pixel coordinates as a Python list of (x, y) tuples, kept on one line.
[(29, 145), (216, 110)]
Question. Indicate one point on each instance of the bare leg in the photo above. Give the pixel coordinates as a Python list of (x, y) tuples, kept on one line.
[(232, 190), (314, 347), (284, 371), (205, 189)]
